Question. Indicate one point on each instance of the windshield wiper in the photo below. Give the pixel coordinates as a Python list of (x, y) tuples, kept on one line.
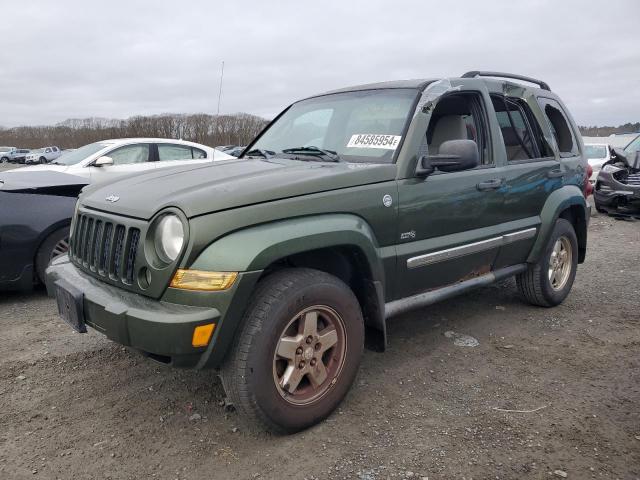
[(259, 151), (313, 150)]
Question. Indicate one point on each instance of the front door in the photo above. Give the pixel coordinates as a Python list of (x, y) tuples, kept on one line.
[(447, 221), (127, 159)]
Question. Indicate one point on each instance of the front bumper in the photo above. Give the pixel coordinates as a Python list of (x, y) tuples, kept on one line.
[(615, 197), (159, 329)]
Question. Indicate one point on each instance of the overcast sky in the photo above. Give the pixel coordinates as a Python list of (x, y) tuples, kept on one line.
[(72, 59)]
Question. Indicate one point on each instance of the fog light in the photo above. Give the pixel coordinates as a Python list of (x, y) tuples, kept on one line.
[(201, 280), (202, 335)]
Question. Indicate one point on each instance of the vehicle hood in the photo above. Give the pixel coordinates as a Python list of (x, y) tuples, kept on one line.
[(43, 168), (47, 183), (201, 189)]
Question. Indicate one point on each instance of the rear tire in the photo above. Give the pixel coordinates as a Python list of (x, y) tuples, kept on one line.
[(4, 160), (548, 282), (52, 247), (297, 352)]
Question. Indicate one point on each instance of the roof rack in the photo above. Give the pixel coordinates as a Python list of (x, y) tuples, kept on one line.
[(477, 73)]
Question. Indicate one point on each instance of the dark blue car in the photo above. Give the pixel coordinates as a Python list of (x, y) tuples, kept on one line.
[(35, 214)]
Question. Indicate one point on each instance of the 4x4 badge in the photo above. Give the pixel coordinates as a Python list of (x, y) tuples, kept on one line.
[(387, 200), (112, 198)]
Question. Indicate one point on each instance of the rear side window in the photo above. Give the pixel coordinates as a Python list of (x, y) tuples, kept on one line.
[(167, 151), (560, 128), (521, 133)]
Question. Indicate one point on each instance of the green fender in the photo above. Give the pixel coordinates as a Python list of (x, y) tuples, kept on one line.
[(254, 248), (257, 247), (562, 199)]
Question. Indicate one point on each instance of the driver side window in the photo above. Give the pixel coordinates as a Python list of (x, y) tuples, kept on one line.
[(128, 154), (458, 117)]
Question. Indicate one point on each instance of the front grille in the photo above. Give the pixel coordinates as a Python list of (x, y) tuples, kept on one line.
[(107, 248), (633, 179)]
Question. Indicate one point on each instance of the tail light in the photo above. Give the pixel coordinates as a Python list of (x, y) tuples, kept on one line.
[(587, 188)]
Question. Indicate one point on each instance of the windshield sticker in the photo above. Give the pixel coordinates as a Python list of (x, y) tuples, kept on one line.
[(372, 140)]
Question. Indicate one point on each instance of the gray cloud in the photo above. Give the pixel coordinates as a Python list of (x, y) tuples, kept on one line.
[(121, 58)]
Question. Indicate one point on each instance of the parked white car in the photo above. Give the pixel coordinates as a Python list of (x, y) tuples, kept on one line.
[(597, 155), (43, 155), (5, 153), (108, 159)]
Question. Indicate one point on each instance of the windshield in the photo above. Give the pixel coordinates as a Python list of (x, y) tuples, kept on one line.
[(363, 126), (633, 146), (71, 158), (595, 151)]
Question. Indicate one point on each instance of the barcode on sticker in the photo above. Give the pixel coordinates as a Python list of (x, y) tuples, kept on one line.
[(371, 140)]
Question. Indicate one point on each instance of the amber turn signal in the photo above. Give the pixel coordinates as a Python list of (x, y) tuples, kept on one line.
[(202, 335), (201, 280)]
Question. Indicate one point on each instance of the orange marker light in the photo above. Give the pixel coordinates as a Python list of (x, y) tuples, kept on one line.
[(186, 279), (202, 335)]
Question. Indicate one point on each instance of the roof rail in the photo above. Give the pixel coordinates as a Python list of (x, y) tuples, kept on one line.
[(477, 73)]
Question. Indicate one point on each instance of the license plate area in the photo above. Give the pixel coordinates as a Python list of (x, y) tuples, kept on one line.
[(71, 305)]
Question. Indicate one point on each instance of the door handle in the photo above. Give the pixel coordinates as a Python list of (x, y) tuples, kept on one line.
[(492, 184), (555, 173)]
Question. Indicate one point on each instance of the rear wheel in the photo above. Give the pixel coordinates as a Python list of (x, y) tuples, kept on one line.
[(297, 352), (54, 245), (4, 159), (548, 282)]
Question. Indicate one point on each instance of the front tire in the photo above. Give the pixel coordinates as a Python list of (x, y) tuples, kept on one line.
[(43, 160), (297, 352), (548, 282)]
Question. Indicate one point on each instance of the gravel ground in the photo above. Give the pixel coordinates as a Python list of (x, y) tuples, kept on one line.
[(78, 406)]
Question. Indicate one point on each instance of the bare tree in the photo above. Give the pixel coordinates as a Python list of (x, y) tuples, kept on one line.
[(237, 129)]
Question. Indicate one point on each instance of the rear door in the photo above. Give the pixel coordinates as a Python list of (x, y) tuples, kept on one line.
[(127, 160), (531, 173), (174, 154)]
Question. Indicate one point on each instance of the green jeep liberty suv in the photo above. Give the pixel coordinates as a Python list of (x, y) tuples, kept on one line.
[(351, 207)]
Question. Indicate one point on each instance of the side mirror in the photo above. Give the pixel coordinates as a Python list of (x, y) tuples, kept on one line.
[(453, 156), (103, 161)]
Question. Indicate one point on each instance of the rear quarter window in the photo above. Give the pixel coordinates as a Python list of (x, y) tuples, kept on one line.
[(560, 127)]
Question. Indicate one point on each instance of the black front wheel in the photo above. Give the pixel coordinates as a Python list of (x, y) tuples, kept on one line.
[(43, 160), (52, 247), (297, 352)]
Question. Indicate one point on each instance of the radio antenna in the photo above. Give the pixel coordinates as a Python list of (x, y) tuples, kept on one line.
[(218, 110), (220, 91)]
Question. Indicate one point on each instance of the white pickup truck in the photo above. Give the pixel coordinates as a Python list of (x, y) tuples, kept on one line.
[(43, 155)]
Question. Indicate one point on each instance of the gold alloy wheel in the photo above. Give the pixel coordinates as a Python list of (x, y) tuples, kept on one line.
[(309, 355), (560, 263)]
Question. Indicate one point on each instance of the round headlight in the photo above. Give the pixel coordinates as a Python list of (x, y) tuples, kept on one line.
[(169, 238)]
